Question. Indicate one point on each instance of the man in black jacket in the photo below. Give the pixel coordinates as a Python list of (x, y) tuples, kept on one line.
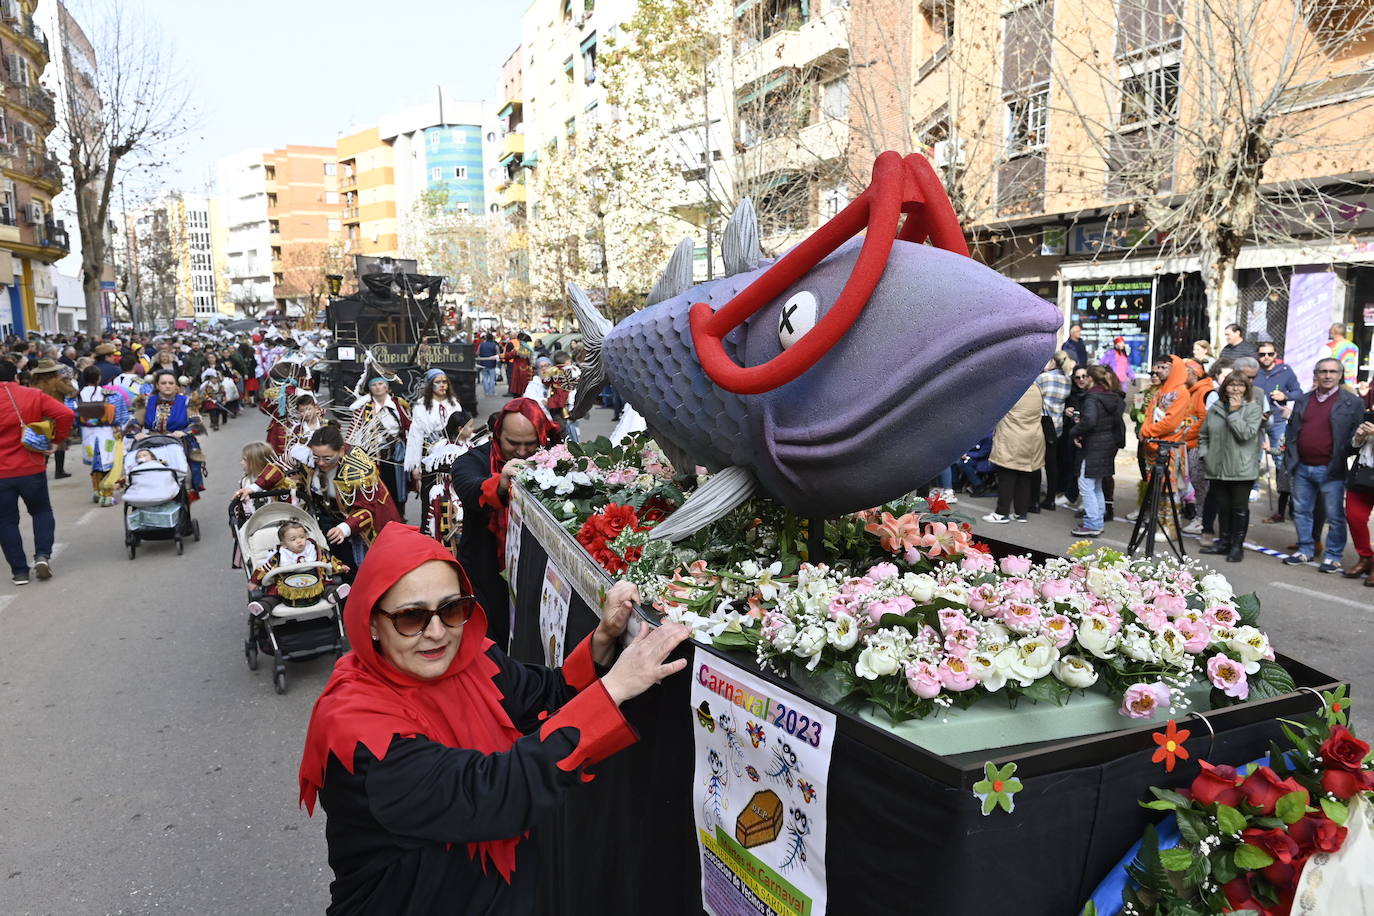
[(1320, 432)]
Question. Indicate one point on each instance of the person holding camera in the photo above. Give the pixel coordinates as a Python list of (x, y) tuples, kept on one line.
[(1321, 431)]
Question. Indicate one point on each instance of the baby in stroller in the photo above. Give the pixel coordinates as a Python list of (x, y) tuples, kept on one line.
[(295, 548), (149, 480)]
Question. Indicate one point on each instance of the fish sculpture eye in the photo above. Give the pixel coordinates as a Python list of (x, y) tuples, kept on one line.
[(798, 316)]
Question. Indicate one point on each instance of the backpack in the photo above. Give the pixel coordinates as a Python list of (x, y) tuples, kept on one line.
[(95, 413)]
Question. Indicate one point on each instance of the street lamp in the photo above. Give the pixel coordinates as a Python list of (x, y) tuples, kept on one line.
[(335, 282)]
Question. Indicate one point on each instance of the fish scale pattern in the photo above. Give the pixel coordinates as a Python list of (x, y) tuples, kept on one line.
[(650, 360)]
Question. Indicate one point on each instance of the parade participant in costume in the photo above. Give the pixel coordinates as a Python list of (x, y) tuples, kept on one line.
[(31, 423), (294, 547), (390, 417), (428, 430), (560, 382), (434, 754), (443, 505), (519, 364), (482, 478), (309, 418), (342, 490), (102, 414), (47, 377), (170, 413)]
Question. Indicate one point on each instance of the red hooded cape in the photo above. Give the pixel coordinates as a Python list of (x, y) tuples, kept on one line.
[(549, 433), (369, 701)]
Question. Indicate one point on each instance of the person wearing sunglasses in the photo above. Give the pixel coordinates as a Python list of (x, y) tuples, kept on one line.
[(434, 754), (1320, 432)]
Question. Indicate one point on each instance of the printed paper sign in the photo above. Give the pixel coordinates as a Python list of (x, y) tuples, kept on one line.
[(553, 613), (759, 793), (515, 530)]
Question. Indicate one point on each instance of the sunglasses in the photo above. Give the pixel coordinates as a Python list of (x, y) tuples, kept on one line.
[(413, 621), (1080, 377), (1267, 353)]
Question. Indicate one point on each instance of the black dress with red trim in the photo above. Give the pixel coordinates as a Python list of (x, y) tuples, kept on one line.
[(399, 827), (479, 549)]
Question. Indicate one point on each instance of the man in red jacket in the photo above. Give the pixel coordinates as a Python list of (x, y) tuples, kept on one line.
[(23, 473)]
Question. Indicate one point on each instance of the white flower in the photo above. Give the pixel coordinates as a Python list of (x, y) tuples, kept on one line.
[(810, 642), (785, 637), (1215, 586), (1095, 635), (1032, 659), (919, 588), (1250, 645), (546, 478), (954, 592), (990, 668), (1136, 643), (580, 478), (1169, 648), (644, 482), (842, 632), (1103, 582), (768, 589), (877, 660), (993, 637), (1075, 671), (750, 570), (568, 507)]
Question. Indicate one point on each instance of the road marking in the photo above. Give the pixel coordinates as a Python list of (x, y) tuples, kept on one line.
[(90, 514), (1313, 593)]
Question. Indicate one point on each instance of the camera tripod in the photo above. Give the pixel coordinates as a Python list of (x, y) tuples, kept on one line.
[(1159, 493)]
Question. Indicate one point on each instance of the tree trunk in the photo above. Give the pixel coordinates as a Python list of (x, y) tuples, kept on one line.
[(95, 305), (1223, 297)]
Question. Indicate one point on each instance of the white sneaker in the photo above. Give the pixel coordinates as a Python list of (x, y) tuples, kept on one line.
[(1063, 501), (1132, 516), (1254, 495), (1194, 527), (949, 497), (993, 518)]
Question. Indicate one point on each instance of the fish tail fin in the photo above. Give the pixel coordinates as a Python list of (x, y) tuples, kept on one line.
[(595, 326), (711, 502)]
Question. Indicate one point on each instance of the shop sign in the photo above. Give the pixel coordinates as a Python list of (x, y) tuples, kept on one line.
[(1094, 238), (1108, 309)]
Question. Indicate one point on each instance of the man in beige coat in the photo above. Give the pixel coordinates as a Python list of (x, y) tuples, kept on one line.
[(1018, 450)]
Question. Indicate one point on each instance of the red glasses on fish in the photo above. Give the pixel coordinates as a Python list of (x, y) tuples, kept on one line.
[(899, 186)]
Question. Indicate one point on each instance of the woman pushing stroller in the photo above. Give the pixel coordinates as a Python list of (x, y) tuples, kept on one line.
[(169, 413)]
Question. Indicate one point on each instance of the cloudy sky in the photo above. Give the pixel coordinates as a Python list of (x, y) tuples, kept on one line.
[(272, 72)]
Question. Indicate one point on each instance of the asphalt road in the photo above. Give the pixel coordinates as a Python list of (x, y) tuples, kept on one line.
[(144, 769)]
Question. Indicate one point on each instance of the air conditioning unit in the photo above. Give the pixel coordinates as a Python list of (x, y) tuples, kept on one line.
[(34, 214), (947, 153)]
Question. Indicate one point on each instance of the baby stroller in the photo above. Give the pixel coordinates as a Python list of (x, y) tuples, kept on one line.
[(157, 505), (307, 623)]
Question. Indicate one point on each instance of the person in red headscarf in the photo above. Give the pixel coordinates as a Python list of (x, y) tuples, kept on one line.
[(482, 478), (434, 754)]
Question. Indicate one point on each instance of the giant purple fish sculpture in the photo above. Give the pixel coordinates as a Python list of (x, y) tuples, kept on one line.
[(869, 365)]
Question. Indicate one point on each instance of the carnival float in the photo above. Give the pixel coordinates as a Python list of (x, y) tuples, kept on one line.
[(886, 712)]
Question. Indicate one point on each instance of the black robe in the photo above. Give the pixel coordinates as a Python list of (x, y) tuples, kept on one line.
[(477, 549), (397, 828)]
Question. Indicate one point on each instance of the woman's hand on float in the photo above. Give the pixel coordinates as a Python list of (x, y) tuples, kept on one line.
[(616, 609), (641, 665)]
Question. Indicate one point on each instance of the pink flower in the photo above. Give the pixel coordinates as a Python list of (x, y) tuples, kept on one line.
[(923, 680), (1223, 615), (1078, 571), (1142, 701), (1019, 589), (882, 571), (856, 587), (956, 675), (1021, 618), (943, 539), (898, 606), (1056, 588), (842, 604), (1196, 633), (1228, 676), (960, 641), (951, 618), (701, 575), (976, 562), (1060, 629), (1173, 605), (897, 534), (984, 599), (621, 477), (1151, 616), (1015, 566)]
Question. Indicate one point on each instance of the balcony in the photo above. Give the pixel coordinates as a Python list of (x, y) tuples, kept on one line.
[(351, 213), (54, 235), (32, 37), (515, 193), (48, 172), (793, 44), (513, 144)]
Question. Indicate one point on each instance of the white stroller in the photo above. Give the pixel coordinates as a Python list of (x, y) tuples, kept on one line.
[(157, 505), (307, 623)]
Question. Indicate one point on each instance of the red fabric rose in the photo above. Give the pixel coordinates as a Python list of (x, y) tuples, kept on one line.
[(655, 510), (1344, 784), (1216, 784), (1343, 750), (617, 518), (937, 504), (982, 547), (1239, 895), (1274, 841), (1263, 789), (600, 529), (1317, 833)]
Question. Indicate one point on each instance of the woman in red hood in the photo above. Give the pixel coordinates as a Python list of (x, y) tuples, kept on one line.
[(434, 754)]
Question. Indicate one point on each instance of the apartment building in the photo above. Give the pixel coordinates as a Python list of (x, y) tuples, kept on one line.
[(30, 238), (198, 264), (242, 185), (304, 219), (1161, 170)]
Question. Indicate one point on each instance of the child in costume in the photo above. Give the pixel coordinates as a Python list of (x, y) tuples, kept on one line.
[(295, 547)]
